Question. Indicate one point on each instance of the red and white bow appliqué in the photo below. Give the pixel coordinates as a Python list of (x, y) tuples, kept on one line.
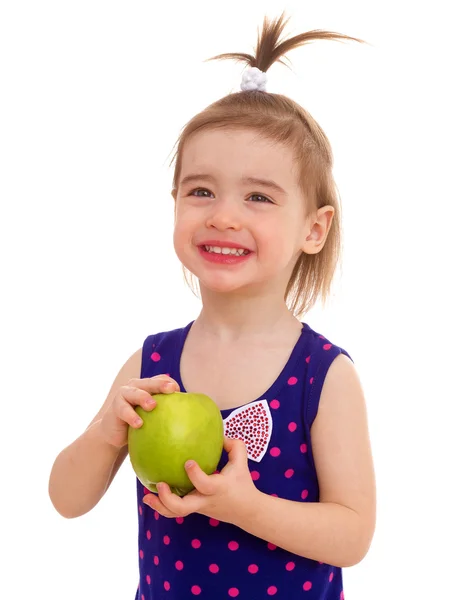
[(253, 425)]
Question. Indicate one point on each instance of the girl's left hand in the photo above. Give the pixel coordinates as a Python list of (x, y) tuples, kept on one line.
[(224, 496)]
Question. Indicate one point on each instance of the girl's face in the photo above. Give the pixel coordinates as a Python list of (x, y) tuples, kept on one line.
[(240, 188)]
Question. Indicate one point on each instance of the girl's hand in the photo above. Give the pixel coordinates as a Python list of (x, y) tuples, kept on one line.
[(121, 413), (224, 496)]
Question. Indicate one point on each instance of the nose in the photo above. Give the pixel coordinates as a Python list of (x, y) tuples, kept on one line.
[(224, 214)]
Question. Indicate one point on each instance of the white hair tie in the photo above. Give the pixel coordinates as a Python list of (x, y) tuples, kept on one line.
[(253, 79)]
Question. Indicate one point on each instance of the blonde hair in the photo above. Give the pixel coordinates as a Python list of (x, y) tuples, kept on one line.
[(282, 120)]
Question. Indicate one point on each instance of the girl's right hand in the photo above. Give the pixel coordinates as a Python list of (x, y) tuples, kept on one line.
[(120, 414)]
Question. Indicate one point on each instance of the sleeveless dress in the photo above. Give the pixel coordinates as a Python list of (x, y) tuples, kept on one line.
[(197, 556)]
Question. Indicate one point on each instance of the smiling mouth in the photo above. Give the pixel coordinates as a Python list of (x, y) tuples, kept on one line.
[(226, 251), (224, 256)]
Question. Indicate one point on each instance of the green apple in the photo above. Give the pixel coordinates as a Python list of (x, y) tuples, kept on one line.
[(182, 426)]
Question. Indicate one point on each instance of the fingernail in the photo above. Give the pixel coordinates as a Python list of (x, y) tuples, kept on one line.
[(159, 487), (189, 463)]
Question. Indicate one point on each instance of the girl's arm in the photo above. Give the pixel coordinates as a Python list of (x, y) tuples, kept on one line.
[(337, 530), (84, 470)]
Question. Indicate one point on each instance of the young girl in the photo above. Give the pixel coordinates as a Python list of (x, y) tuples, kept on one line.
[(293, 501)]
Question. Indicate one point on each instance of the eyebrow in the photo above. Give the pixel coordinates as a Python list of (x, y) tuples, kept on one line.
[(251, 180)]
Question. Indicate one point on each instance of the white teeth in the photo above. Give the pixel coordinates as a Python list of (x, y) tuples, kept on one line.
[(219, 250)]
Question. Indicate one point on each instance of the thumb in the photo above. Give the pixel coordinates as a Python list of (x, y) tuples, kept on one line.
[(236, 449)]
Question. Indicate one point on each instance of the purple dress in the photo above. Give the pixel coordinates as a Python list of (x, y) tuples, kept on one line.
[(200, 557)]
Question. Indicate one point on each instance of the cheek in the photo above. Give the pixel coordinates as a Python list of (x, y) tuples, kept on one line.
[(276, 243), (184, 230), (280, 256), (180, 237)]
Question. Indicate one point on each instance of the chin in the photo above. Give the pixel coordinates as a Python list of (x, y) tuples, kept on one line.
[(220, 287)]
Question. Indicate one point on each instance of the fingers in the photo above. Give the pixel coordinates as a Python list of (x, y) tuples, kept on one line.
[(236, 449), (144, 388), (155, 503), (139, 392), (203, 482), (128, 398), (175, 505)]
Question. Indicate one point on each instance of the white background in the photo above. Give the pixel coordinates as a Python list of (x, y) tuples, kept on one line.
[(93, 96)]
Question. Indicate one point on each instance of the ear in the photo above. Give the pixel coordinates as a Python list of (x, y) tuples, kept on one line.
[(318, 227)]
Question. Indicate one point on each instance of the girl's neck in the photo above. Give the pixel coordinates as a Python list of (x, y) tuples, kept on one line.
[(244, 320)]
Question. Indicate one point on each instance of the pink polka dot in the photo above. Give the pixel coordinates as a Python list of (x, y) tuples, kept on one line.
[(156, 560), (196, 543), (304, 494), (303, 448), (271, 546), (196, 590), (289, 473), (142, 554), (148, 580), (290, 566), (275, 451), (271, 591), (308, 359), (252, 569), (233, 592), (275, 404), (327, 346), (311, 380), (292, 380), (342, 596), (275, 495), (146, 491), (167, 586), (179, 520), (214, 522), (255, 475), (140, 510), (330, 578), (292, 426), (167, 540), (156, 515), (307, 586), (142, 597), (179, 565), (233, 546), (155, 357), (213, 568), (148, 535)]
